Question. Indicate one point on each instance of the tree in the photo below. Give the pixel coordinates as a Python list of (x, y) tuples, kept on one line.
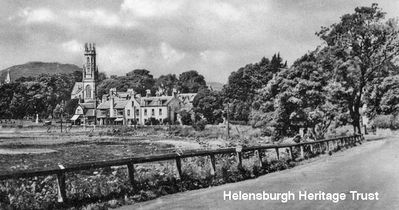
[(243, 84), (208, 104), (295, 99), (186, 117), (191, 82), (166, 83), (361, 45)]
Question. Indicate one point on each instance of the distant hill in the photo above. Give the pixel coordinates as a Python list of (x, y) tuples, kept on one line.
[(215, 85), (37, 68)]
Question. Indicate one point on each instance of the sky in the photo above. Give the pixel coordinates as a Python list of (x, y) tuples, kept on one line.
[(214, 37)]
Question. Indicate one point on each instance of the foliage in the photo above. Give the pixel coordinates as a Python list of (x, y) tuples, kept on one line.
[(186, 117), (39, 96), (386, 122), (200, 125), (191, 82), (166, 83), (361, 47), (243, 84), (295, 98), (208, 104)]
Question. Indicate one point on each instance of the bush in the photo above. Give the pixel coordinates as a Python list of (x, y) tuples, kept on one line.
[(200, 125), (186, 117), (387, 122)]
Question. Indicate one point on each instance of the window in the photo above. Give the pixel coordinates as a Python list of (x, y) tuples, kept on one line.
[(160, 111), (120, 112), (137, 112), (145, 112), (88, 91), (128, 112), (153, 112)]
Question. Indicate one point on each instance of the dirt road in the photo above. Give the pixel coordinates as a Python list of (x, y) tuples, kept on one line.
[(369, 168)]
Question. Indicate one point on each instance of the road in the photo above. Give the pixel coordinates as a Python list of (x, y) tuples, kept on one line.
[(368, 168)]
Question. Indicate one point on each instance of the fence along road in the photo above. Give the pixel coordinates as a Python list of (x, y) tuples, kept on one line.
[(369, 168), (326, 145)]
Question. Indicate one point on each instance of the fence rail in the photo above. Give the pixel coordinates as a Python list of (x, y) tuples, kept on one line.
[(326, 144)]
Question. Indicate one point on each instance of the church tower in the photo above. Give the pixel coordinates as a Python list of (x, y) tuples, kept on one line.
[(89, 73)]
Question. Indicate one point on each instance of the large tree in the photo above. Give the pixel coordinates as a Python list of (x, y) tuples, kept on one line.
[(166, 83), (294, 99), (243, 84), (208, 104), (191, 82), (362, 44)]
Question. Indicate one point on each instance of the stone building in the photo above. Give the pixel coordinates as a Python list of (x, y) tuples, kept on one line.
[(85, 91)]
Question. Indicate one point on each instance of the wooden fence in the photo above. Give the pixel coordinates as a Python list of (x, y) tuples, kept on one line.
[(321, 145)]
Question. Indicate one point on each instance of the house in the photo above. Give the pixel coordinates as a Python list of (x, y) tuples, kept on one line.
[(163, 109), (84, 114)]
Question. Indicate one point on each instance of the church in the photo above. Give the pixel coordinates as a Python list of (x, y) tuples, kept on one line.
[(85, 91)]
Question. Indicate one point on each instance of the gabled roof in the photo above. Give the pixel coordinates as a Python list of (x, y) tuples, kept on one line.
[(87, 105), (120, 104), (77, 88), (156, 100), (104, 105), (90, 112)]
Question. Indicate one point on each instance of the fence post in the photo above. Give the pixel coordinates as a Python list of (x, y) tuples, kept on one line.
[(130, 171), (239, 156), (292, 154), (302, 153), (260, 158), (178, 166), (278, 154), (213, 164), (61, 187), (311, 148), (327, 146)]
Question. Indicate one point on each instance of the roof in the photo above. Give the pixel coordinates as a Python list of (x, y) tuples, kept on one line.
[(90, 112), (156, 100), (118, 104), (88, 105), (104, 105), (77, 88)]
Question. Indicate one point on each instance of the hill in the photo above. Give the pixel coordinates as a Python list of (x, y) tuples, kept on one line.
[(215, 85), (37, 68)]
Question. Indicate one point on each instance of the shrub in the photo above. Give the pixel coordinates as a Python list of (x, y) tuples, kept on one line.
[(185, 117), (200, 125)]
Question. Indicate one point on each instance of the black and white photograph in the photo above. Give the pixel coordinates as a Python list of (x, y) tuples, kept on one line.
[(210, 104)]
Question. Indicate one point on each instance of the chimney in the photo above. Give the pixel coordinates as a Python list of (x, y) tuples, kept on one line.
[(148, 93), (112, 92), (174, 92), (130, 92), (111, 107), (104, 99)]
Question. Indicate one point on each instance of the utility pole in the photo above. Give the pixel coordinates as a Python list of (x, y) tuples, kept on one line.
[(228, 121)]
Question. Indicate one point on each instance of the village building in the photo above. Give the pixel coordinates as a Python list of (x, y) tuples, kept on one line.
[(122, 108), (85, 91)]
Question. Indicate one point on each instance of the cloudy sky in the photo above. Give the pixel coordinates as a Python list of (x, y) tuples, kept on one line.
[(214, 37)]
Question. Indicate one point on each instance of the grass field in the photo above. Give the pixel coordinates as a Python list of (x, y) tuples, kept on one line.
[(36, 146)]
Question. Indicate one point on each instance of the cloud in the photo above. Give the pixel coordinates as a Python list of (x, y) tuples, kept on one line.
[(100, 17), (72, 46), (171, 55), (214, 37), (151, 8), (38, 15)]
